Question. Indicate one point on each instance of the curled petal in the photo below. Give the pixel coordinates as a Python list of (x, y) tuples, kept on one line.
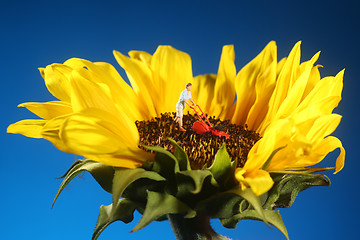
[(259, 181), (329, 144)]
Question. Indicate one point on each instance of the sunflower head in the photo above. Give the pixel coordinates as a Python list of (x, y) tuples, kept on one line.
[(278, 116)]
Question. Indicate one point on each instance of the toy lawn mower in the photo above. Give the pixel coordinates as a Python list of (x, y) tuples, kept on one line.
[(200, 127)]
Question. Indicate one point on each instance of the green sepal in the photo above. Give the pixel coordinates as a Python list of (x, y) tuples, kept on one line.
[(165, 162), (181, 156), (221, 205), (194, 186), (160, 204), (254, 200), (102, 173), (124, 177), (222, 169), (77, 162), (303, 170), (123, 211), (273, 217), (137, 190), (193, 181), (287, 187)]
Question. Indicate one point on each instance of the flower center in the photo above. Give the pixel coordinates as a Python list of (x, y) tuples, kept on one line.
[(200, 148)]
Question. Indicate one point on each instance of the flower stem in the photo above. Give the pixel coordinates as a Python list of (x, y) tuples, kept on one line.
[(197, 228)]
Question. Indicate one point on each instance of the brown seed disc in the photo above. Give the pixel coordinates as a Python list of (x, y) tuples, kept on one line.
[(200, 148)]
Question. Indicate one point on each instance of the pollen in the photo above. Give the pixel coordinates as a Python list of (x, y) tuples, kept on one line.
[(200, 148)]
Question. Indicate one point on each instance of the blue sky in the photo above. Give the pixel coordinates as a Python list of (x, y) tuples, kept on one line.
[(37, 34)]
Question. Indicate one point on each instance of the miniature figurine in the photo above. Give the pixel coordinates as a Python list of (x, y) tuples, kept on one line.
[(185, 98)]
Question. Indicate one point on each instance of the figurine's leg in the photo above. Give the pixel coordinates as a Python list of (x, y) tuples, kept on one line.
[(179, 117), (180, 122)]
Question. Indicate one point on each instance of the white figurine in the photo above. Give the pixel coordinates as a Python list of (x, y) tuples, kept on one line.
[(185, 97)]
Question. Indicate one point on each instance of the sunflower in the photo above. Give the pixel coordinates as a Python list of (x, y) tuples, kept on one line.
[(278, 113)]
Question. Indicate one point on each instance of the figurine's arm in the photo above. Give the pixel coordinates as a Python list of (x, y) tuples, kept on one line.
[(188, 102)]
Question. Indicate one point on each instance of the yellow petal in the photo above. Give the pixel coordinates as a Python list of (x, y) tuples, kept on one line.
[(314, 78), (171, 71), (264, 88), (280, 66), (94, 131), (108, 81), (87, 94), (42, 72), (203, 91), (29, 128), (329, 86), (140, 77), (224, 93), (323, 126), (277, 135), (316, 109), (134, 158), (285, 81), (48, 110), (259, 180), (320, 151), (329, 144), (295, 93), (246, 80), (141, 56), (57, 80), (51, 132)]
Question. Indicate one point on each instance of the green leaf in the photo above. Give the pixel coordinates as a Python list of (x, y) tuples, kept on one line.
[(222, 168), (250, 196), (291, 185), (221, 205), (273, 217), (160, 204), (108, 214), (102, 173), (181, 156), (124, 177), (287, 186)]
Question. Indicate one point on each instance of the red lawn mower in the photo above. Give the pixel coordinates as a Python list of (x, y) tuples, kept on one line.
[(200, 127)]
